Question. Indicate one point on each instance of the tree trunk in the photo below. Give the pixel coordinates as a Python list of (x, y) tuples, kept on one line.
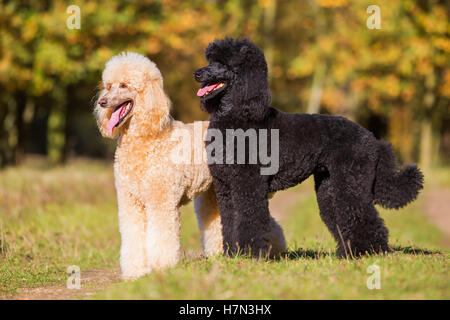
[(269, 13), (426, 144), (12, 138), (56, 124), (19, 148), (426, 136), (3, 136), (316, 89)]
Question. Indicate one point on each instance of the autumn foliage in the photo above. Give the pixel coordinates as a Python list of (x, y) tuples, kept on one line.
[(322, 57)]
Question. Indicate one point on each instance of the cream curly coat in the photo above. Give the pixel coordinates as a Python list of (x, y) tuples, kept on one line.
[(150, 185)]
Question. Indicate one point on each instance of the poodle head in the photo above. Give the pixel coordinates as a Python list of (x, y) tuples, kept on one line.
[(235, 81), (131, 98)]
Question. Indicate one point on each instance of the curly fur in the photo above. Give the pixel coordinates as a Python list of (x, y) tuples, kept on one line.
[(150, 189), (150, 185), (352, 170)]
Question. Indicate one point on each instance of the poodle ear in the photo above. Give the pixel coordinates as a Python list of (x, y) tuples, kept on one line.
[(251, 96), (157, 107)]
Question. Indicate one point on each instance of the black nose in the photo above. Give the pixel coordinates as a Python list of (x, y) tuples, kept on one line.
[(103, 102), (198, 75)]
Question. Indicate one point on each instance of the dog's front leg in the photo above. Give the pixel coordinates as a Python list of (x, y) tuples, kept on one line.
[(162, 237), (252, 225), (227, 216), (132, 229)]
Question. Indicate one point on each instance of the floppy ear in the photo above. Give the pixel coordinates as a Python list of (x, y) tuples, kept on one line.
[(251, 96), (156, 106)]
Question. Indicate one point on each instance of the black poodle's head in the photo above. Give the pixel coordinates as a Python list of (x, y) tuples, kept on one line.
[(235, 81)]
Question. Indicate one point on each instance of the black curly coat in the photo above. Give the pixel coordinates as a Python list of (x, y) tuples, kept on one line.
[(352, 170)]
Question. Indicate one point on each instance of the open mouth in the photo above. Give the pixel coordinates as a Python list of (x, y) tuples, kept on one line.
[(208, 91), (119, 114)]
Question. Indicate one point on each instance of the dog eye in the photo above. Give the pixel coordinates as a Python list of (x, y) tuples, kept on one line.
[(123, 85), (224, 66), (108, 86)]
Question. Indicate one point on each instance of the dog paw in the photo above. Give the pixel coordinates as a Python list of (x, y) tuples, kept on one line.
[(131, 275)]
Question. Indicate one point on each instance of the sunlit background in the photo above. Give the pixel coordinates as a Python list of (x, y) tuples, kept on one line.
[(57, 199), (322, 57)]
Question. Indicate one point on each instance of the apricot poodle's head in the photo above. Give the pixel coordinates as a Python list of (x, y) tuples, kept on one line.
[(132, 98)]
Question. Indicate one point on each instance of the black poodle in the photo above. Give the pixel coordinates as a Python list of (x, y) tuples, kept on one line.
[(352, 170)]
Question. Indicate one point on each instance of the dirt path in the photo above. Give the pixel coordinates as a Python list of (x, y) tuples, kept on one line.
[(437, 209), (92, 281)]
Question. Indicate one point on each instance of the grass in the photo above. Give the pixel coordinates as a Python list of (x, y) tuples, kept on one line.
[(53, 218), (418, 269)]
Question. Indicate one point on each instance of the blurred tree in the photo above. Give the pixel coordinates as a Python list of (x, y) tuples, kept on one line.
[(320, 53), (397, 72)]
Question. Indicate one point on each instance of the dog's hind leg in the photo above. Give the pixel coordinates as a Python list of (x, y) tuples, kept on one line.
[(369, 234), (360, 230), (208, 217), (132, 222), (346, 208)]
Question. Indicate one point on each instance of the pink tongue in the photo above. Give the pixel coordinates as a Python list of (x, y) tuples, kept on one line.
[(202, 91), (114, 120)]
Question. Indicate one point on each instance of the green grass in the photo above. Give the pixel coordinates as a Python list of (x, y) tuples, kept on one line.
[(418, 269), (53, 218)]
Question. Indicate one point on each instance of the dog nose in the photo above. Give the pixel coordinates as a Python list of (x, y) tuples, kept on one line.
[(103, 102), (198, 75)]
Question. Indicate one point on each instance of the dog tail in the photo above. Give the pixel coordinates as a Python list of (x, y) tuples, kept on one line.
[(395, 187)]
